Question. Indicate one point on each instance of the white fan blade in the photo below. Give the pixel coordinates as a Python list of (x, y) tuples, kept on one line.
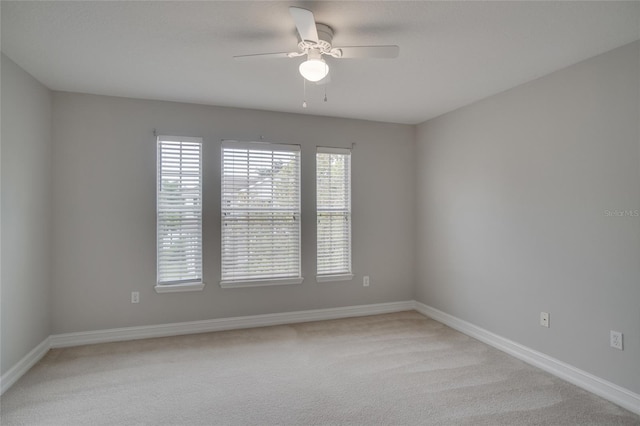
[(305, 23), (357, 52), (263, 56)]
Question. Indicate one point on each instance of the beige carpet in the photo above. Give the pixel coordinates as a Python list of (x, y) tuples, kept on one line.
[(399, 368)]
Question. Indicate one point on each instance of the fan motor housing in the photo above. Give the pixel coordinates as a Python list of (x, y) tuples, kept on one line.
[(325, 37), (325, 33)]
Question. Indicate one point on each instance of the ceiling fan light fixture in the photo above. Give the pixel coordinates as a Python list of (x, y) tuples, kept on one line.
[(314, 69)]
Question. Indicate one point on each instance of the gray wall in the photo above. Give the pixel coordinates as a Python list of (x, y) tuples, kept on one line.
[(104, 163), (512, 200), (26, 214)]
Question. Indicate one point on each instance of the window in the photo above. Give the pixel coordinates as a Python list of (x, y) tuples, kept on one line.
[(260, 214), (179, 214), (333, 204)]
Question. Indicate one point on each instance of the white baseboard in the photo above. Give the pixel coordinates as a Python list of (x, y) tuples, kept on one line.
[(219, 324), (29, 360), (587, 381), (610, 391)]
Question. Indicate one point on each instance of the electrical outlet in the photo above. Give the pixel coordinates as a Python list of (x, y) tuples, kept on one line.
[(615, 339), (544, 319), (365, 281), (135, 297)]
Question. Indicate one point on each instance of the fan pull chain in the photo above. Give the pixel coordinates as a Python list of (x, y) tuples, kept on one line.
[(325, 83), (304, 91)]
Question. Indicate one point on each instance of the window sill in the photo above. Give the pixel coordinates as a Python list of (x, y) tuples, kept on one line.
[(329, 278), (260, 283), (178, 288)]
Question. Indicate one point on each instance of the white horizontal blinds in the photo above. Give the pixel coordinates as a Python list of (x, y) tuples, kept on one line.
[(333, 199), (179, 210), (260, 211)]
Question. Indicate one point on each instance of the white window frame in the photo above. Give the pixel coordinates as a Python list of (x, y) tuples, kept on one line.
[(345, 274), (243, 279), (194, 283)]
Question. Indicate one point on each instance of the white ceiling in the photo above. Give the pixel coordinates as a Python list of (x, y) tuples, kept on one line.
[(451, 53)]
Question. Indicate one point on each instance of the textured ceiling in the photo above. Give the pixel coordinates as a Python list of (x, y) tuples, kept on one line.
[(451, 53)]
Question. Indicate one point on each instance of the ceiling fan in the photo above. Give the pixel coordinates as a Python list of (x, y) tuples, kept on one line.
[(315, 42)]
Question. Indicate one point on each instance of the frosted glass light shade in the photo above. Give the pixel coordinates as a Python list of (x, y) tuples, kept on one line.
[(314, 69)]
